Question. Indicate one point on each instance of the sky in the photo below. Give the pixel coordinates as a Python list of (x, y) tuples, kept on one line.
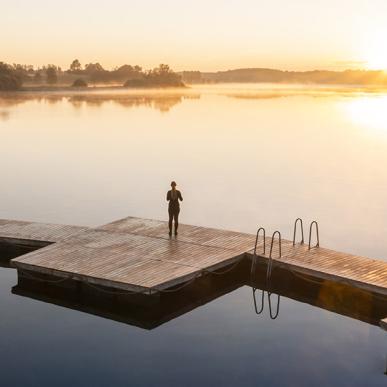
[(197, 35)]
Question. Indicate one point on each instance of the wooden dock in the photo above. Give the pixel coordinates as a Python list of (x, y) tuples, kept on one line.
[(149, 312), (31, 233), (136, 254), (357, 271)]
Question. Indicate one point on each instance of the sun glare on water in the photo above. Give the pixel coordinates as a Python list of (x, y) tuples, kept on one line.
[(369, 112)]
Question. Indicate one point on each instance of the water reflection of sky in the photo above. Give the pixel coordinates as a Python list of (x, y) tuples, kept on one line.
[(158, 101), (221, 343), (88, 160), (241, 162)]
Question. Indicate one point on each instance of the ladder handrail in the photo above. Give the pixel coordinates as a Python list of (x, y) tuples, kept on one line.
[(295, 230), (264, 240), (270, 263), (310, 235), (255, 247)]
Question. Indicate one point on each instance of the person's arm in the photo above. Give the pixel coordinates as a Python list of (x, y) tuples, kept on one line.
[(180, 197), (168, 196)]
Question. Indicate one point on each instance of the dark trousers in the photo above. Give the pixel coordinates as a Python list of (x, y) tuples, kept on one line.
[(173, 216)]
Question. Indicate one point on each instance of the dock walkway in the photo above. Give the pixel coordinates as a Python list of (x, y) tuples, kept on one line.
[(33, 232), (360, 272), (135, 254)]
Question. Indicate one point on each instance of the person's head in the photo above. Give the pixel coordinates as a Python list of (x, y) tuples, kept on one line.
[(173, 184)]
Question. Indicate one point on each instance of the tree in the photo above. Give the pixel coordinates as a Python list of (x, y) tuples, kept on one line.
[(79, 83), (51, 75), (96, 72), (9, 78), (163, 69), (127, 72), (38, 76), (92, 68), (23, 71), (75, 66), (163, 76)]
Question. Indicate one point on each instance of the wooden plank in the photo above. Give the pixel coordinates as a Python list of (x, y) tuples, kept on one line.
[(44, 232), (230, 240)]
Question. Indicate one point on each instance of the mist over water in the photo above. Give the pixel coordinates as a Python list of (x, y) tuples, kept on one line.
[(243, 156)]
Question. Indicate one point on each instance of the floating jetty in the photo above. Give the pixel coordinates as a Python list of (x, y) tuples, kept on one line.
[(149, 312), (137, 255)]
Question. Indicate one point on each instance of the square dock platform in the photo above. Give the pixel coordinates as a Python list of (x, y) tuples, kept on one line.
[(138, 255)]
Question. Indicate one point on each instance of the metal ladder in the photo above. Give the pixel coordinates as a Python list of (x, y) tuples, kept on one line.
[(270, 263), (313, 223), (273, 314), (298, 220), (255, 257), (317, 235)]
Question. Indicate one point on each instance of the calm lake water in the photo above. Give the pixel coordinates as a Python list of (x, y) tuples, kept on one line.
[(243, 156)]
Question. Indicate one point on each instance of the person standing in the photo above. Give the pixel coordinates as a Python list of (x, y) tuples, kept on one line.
[(173, 197)]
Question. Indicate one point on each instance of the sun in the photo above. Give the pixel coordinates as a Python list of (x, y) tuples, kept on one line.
[(376, 58), (379, 62)]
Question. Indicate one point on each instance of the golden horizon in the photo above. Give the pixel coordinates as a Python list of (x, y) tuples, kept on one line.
[(198, 36)]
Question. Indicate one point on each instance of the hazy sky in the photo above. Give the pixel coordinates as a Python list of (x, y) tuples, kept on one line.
[(197, 34)]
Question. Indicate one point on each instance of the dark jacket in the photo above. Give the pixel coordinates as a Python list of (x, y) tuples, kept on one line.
[(174, 203)]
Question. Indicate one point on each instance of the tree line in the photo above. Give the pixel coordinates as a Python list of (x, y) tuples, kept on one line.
[(12, 77), (314, 77)]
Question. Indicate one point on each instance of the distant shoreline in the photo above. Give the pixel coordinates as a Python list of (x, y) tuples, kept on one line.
[(226, 87), (89, 89), (267, 75)]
